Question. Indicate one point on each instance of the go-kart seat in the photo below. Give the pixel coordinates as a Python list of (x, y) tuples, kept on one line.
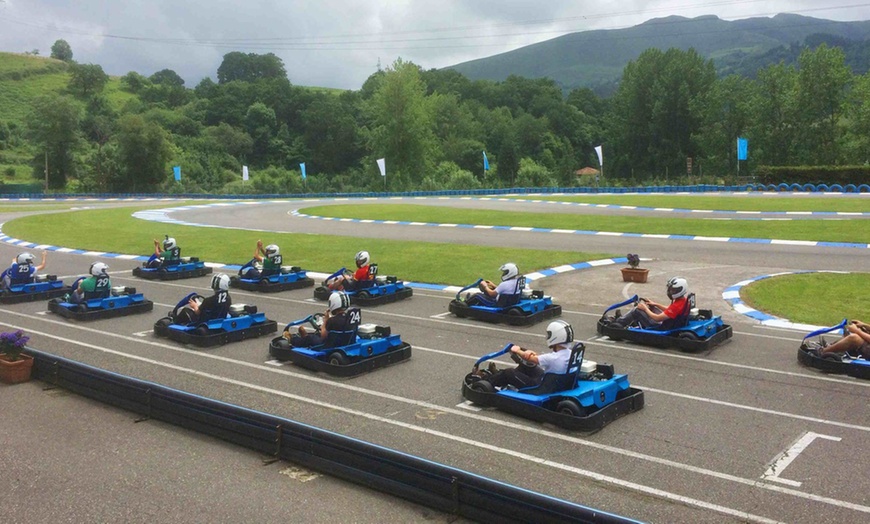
[(336, 338), (16, 274), (682, 319), (506, 300), (555, 382)]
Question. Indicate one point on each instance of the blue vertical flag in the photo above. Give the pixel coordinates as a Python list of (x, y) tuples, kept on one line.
[(742, 148), (302, 167), (177, 171), (485, 162)]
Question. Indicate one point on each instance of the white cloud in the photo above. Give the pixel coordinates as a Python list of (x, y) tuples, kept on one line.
[(335, 43)]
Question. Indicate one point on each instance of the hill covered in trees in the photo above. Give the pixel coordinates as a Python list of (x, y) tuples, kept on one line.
[(595, 59), (124, 134)]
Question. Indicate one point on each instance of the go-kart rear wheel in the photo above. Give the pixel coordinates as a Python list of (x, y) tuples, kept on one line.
[(201, 331), (688, 335), (338, 359), (364, 295), (515, 312), (569, 407), (482, 386), (82, 308)]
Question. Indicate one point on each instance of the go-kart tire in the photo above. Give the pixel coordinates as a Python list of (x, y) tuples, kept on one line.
[(688, 335), (515, 312), (482, 386), (364, 295), (130, 290), (569, 407), (338, 359), (82, 308), (201, 331)]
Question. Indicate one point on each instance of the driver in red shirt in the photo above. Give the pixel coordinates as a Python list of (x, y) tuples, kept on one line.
[(649, 314), (362, 277)]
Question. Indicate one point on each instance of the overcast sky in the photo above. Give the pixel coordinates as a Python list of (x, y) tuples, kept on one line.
[(338, 43)]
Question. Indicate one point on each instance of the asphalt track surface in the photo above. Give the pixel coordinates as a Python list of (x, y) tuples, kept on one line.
[(742, 434)]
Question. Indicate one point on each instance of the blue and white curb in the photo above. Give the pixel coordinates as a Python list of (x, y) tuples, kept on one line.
[(810, 243), (732, 296)]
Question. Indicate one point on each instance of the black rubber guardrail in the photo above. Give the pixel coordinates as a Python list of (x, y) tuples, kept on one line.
[(421, 481)]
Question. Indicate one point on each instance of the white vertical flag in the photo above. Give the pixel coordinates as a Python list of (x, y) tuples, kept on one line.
[(244, 172), (382, 165), (600, 156)]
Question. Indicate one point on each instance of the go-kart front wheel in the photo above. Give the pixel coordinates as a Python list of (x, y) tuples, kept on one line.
[(338, 359), (482, 386), (569, 407)]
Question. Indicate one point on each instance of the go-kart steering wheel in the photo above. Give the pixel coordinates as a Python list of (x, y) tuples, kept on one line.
[(519, 360), (316, 320)]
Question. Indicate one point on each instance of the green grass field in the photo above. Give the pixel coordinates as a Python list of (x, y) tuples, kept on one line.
[(822, 230), (813, 298), (116, 231), (721, 203)]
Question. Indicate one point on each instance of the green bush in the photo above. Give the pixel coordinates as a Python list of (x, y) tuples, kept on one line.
[(813, 174)]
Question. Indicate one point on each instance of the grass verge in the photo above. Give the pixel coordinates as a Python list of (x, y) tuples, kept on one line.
[(720, 203), (813, 298), (116, 231), (811, 230)]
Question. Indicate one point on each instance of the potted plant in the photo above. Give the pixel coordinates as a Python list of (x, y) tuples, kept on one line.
[(633, 273), (14, 366)]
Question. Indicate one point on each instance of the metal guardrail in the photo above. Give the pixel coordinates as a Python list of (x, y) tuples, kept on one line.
[(421, 481)]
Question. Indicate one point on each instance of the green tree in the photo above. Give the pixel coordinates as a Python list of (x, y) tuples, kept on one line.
[(727, 115), (87, 79), (774, 125), (54, 128), (250, 67), (261, 124), (143, 154), (62, 51), (331, 135), (402, 126), (823, 82), (858, 126), (134, 82)]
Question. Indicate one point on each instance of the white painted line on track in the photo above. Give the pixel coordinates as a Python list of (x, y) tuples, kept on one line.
[(511, 453), (440, 315), (469, 406), (142, 333), (787, 457)]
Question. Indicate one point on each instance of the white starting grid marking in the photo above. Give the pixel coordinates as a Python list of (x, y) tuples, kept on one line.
[(142, 333), (787, 457), (440, 315), (469, 406)]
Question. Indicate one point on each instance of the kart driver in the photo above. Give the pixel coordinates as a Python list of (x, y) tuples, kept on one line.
[(339, 326), (215, 306), (170, 255), (95, 286), (271, 259), (649, 314), (22, 270), (362, 277), (531, 371), (856, 343), (507, 293)]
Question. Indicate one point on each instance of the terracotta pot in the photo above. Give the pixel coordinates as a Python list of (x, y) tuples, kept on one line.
[(634, 275), (15, 372)]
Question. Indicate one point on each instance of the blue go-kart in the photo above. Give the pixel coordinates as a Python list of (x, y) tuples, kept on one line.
[(524, 309), (695, 330), (854, 365), (172, 270), (373, 347), (288, 278), (43, 287), (242, 322), (379, 290), (121, 301), (586, 398)]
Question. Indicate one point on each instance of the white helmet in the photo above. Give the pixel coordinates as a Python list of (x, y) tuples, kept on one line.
[(272, 250), (169, 243), (338, 300), (559, 332), (25, 259), (220, 282), (362, 258), (99, 269), (677, 287), (509, 271)]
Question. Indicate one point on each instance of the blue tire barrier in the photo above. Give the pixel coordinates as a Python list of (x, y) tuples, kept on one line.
[(822, 188), (850, 188), (782, 187), (837, 188), (864, 188), (809, 188), (796, 187)]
